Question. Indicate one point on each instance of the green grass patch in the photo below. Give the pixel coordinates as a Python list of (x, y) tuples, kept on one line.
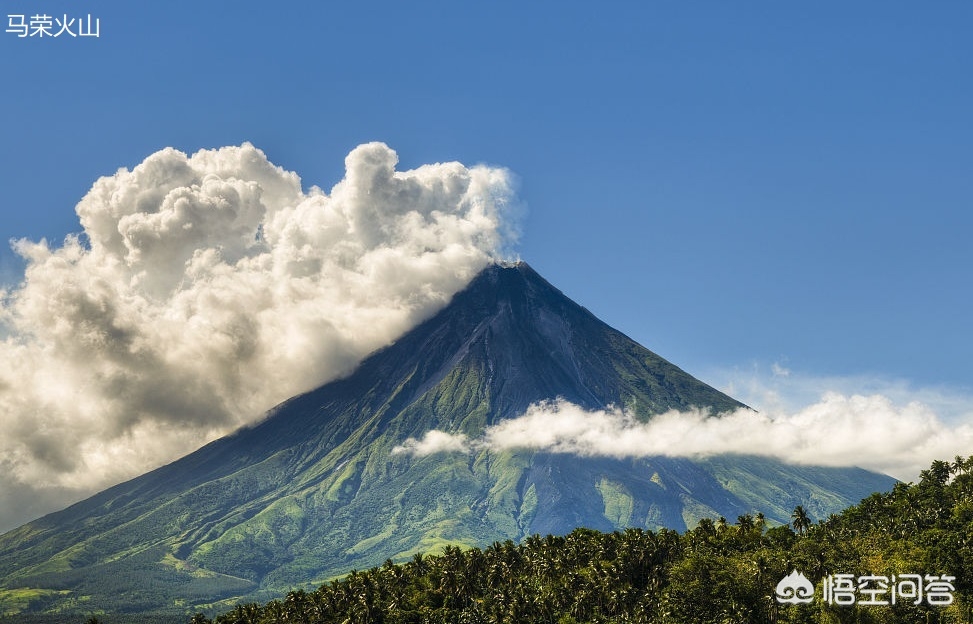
[(618, 502), (18, 600)]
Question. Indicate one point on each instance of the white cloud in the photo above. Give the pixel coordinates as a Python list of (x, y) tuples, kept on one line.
[(206, 288), (434, 441), (872, 432), (779, 370)]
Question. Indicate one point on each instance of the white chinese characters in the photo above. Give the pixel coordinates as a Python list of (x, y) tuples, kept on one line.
[(42, 26), (869, 589)]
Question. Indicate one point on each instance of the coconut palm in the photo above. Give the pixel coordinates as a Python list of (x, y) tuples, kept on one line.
[(801, 521)]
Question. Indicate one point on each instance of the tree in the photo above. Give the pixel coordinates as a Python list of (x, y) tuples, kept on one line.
[(760, 522), (745, 522), (802, 522)]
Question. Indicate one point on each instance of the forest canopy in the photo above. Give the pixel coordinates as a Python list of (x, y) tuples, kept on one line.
[(917, 537)]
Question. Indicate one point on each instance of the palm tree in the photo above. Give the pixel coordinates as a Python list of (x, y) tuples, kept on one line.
[(802, 522), (760, 522), (937, 474), (958, 465), (745, 522), (418, 565)]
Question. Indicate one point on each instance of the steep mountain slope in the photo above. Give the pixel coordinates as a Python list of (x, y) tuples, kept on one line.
[(315, 490)]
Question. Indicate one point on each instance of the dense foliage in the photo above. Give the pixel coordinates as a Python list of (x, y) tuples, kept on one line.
[(718, 572)]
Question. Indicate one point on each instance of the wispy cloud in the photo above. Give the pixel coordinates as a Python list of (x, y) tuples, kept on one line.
[(432, 442), (872, 432), (206, 288)]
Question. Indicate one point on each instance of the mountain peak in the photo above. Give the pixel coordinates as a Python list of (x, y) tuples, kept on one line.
[(315, 489)]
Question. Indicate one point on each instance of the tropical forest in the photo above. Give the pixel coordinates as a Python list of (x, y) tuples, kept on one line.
[(903, 556)]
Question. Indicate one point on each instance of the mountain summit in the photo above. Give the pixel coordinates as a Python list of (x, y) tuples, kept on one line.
[(315, 489)]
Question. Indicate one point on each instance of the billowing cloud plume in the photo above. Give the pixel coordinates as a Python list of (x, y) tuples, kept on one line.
[(206, 288), (867, 431)]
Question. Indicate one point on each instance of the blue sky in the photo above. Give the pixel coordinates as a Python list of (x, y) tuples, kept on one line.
[(742, 187), (726, 182)]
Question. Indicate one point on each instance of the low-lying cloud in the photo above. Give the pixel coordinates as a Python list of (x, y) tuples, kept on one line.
[(839, 430), (206, 288)]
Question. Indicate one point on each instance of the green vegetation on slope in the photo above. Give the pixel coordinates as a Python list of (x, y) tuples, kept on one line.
[(715, 573), (315, 489)]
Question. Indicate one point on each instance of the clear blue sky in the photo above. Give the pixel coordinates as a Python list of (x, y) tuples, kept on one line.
[(726, 182)]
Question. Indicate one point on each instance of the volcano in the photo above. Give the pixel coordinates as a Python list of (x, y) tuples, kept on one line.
[(315, 490)]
